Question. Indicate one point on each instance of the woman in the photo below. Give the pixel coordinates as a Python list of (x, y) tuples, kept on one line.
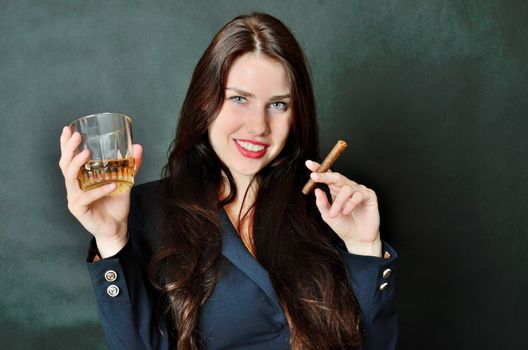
[(225, 252)]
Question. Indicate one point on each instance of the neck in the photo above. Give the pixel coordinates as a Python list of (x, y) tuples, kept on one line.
[(246, 191), (242, 182), (239, 210)]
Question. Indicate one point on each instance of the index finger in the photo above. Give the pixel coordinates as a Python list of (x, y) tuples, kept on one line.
[(65, 136), (329, 178), (314, 166)]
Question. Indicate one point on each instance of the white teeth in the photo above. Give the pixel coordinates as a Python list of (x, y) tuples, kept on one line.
[(250, 146)]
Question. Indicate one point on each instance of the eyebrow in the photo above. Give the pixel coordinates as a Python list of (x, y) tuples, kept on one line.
[(249, 94)]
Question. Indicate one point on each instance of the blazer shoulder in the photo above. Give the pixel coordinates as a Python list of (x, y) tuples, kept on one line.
[(148, 190), (146, 212), (147, 198)]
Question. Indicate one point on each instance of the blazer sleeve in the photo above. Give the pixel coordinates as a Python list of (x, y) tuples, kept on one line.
[(373, 283), (125, 300)]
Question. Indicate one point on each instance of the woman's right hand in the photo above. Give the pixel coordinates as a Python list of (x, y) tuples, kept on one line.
[(105, 217)]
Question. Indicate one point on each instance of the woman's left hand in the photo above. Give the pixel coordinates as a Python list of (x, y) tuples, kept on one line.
[(353, 214)]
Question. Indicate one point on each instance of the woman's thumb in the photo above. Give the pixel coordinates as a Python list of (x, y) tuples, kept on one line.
[(137, 149)]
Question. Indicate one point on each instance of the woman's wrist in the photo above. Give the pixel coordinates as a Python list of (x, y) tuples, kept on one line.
[(365, 248), (110, 246)]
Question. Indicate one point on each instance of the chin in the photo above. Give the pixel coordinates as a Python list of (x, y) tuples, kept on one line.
[(248, 172)]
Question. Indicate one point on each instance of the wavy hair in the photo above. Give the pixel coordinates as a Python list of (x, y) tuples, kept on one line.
[(290, 239)]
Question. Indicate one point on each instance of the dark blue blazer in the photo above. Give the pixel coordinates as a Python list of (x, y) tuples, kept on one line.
[(243, 312)]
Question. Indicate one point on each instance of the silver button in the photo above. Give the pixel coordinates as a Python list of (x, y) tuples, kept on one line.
[(110, 275), (112, 290), (387, 273), (384, 286)]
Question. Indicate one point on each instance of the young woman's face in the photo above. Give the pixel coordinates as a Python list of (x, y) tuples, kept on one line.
[(255, 119)]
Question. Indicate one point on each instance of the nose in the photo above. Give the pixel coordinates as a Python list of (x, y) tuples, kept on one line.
[(257, 122)]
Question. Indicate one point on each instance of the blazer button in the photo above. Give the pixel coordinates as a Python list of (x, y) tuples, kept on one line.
[(112, 290), (110, 276), (387, 273), (384, 286)]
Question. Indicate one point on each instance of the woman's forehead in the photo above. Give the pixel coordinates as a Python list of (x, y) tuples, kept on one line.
[(258, 74)]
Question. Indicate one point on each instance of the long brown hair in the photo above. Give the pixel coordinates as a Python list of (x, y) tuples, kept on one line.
[(290, 239)]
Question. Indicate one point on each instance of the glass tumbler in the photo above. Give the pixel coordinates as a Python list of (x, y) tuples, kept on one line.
[(108, 136)]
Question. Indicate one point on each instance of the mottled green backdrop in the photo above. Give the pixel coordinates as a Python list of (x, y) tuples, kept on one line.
[(431, 96)]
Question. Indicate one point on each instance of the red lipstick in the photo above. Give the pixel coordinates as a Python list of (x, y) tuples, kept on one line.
[(251, 154)]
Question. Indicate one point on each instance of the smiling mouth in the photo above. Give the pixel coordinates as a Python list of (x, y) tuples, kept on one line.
[(250, 146), (250, 149)]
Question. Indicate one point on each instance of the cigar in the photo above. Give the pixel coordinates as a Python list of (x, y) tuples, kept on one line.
[(326, 164)]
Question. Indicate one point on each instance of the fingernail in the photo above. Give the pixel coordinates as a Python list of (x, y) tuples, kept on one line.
[(110, 186), (314, 176)]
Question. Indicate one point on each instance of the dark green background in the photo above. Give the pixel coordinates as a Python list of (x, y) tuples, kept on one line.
[(431, 96)]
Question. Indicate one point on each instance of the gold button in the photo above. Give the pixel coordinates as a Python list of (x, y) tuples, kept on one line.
[(384, 286), (387, 273), (112, 290), (110, 275)]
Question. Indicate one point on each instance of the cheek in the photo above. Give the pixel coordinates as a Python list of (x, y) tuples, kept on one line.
[(217, 133), (219, 127), (229, 119), (282, 129)]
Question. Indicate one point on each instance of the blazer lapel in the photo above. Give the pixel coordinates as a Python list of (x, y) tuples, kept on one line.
[(234, 250)]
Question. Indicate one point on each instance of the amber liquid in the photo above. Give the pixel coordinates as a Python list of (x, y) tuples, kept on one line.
[(97, 173)]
